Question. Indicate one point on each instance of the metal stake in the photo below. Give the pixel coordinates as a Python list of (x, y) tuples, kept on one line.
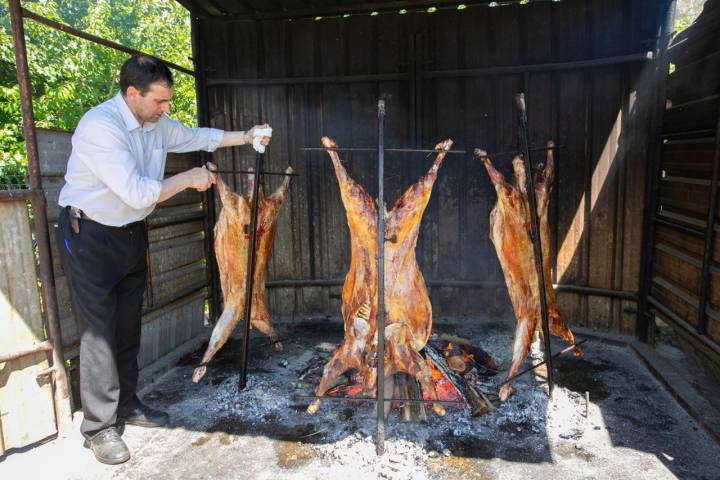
[(380, 375), (250, 271), (535, 232), (63, 411)]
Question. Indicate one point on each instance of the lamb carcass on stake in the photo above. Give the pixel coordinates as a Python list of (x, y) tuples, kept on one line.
[(510, 233), (232, 240), (408, 313)]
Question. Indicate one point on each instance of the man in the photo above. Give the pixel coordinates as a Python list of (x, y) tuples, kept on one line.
[(114, 180)]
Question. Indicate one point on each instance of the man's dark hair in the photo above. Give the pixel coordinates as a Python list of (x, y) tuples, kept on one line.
[(140, 71)]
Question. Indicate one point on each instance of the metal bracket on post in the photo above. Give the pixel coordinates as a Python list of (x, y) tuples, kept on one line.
[(242, 383), (380, 372), (535, 232)]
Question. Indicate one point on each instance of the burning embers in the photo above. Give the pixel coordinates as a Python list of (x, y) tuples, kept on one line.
[(458, 370)]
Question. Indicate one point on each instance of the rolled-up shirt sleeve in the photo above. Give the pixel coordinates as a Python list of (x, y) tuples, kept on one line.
[(185, 139), (101, 149)]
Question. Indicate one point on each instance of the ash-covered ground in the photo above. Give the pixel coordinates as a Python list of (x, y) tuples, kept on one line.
[(633, 429)]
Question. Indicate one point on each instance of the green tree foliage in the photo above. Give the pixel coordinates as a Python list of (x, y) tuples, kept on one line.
[(70, 75)]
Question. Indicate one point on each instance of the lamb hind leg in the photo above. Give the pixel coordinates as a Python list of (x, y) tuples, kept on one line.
[(264, 326), (521, 347), (559, 329), (220, 334), (340, 362)]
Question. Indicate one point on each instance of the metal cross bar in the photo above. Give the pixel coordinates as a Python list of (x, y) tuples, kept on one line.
[(380, 372), (535, 231), (98, 40), (374, 399), (374, 150), (250, 268), (45, 346), (529, 369), (261, 173), (420, 150)]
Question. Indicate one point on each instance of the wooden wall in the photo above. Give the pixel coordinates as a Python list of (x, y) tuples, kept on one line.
[(173, 320), (690, 149), (597, 115)]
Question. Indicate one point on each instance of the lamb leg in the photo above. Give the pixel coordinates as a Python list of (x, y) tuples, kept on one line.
[(521, 347)]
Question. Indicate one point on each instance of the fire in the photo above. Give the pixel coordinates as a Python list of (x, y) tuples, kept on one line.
[(445, 389), (345, 391)]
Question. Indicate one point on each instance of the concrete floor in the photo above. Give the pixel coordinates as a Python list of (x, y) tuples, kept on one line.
[(634, 428)]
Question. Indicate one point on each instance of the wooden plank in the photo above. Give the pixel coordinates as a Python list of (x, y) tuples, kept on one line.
[(305, 49), (688, 158), (572, 168), (335, 114), (684, 198), (663, 292), (449, 189), (698, 115), (607, 127), (677, 270), (26, 403), (695, 80), (479, 260), (282, 262)]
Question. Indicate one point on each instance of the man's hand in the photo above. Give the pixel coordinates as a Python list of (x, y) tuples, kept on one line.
[(199, 178), (265, 140)]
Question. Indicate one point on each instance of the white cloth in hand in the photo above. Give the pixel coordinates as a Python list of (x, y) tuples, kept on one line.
[(258, 133)]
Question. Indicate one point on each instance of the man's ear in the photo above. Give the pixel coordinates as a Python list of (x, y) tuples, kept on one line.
[(132, 92)]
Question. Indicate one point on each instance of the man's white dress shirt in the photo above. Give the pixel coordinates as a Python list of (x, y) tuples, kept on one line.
[(115, 171)]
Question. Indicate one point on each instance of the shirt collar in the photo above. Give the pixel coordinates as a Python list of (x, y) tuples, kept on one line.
[(130, 121)]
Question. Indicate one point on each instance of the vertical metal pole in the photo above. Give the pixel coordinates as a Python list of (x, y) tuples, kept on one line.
[(63, 412), (705, 279), (209, 195), (250, 271), (380, 394), (652, 182), (535, 233)]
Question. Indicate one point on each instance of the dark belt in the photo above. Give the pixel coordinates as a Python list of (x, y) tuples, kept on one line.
[(77, 214)]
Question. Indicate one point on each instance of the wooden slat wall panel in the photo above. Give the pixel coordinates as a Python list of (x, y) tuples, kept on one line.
[(27, 413), (176, 251), (691, 119), (599, 117)]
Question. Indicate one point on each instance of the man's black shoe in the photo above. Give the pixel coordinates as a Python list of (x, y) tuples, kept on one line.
[(108, 447), (135, 413)]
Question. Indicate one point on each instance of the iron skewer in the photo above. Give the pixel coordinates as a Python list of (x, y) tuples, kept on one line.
[(249, 275), (535, 231), (380, 400), (261, 173), (380, 375), (561, 352), (421, 150)]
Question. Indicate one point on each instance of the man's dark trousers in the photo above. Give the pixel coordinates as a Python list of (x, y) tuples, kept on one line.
[(106, 270)]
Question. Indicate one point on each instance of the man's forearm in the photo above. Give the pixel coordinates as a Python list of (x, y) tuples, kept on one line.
[(171, 186), (232, 139)]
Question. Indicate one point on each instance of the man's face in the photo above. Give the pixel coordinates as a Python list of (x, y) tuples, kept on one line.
[(148, 107)]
